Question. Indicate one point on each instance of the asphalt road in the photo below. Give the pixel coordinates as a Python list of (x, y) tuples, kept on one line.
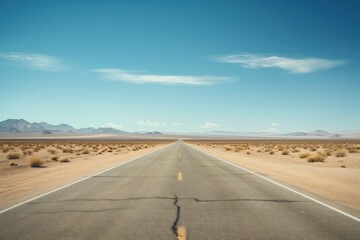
[(176, 192)]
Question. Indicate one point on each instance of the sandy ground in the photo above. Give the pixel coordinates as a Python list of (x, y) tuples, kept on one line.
[(19, 181), (336, 178)]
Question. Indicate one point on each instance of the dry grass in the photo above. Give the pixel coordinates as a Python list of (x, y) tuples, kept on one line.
[(52, 151), (285, 152), (327, 152), (36, 149), (12, 156), (5, 150), (19, 153), (64, 160), (304, 155), (36, 162), (85, 152), (317, 157), (340, 153), (68, 150), (28, 152), (352, 150), (228, 148)]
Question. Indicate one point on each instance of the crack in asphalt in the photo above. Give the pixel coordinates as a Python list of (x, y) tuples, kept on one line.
[(174, 227), (125, 176), (247, 200), (176, 199), (81, 211), (103, 199)]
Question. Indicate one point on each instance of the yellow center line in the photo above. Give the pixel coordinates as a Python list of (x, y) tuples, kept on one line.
[(181, 232), (180, 177)]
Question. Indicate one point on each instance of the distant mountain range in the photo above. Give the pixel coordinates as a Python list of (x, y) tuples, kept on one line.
[(22, 126), (314, 134)]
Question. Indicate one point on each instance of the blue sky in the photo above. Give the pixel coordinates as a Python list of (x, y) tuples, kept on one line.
[(183, 66)]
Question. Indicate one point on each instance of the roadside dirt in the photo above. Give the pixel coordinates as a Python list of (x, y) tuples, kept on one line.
[(22, 182), (336, 178)]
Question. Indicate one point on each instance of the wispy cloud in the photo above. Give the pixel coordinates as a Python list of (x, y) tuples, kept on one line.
[(113, 125), (177, 124), (148, 124), (126, 76), (275, 124), (295, 65), (208, 125), (34, 61), (274, 128)]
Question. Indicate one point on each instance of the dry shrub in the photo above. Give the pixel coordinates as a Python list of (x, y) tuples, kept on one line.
[(271, 152), (352, 150), (85, 151), (36, 162), (228, 148), (5, 150), (36, 149), (13, 156), (327, 152), (52, 151), (29, 152), (304, 155), (340, 153), (68, 150), (64, 160), (285, 152), (55, 158), (316, 158)]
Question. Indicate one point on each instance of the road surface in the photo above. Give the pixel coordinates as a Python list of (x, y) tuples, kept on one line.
[(175, 193)]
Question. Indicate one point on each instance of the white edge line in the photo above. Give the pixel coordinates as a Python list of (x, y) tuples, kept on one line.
[(80, 180), (283, 186)]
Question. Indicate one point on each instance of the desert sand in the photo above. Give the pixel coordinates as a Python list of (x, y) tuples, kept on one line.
[(334, 174), (63, 163)]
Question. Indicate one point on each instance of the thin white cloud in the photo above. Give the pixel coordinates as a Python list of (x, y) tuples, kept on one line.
[(208, 125), (274, 127), (177, 124), (126, 76), (294, 65), (113, 125), (275, 124), (148, 124), (271, 130), (34, 61)]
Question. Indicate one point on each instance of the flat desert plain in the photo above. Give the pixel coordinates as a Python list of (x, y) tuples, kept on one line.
[(30, 168), (330, 169)]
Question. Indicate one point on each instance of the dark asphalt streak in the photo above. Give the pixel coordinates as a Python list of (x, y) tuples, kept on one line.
[(143, 199)]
